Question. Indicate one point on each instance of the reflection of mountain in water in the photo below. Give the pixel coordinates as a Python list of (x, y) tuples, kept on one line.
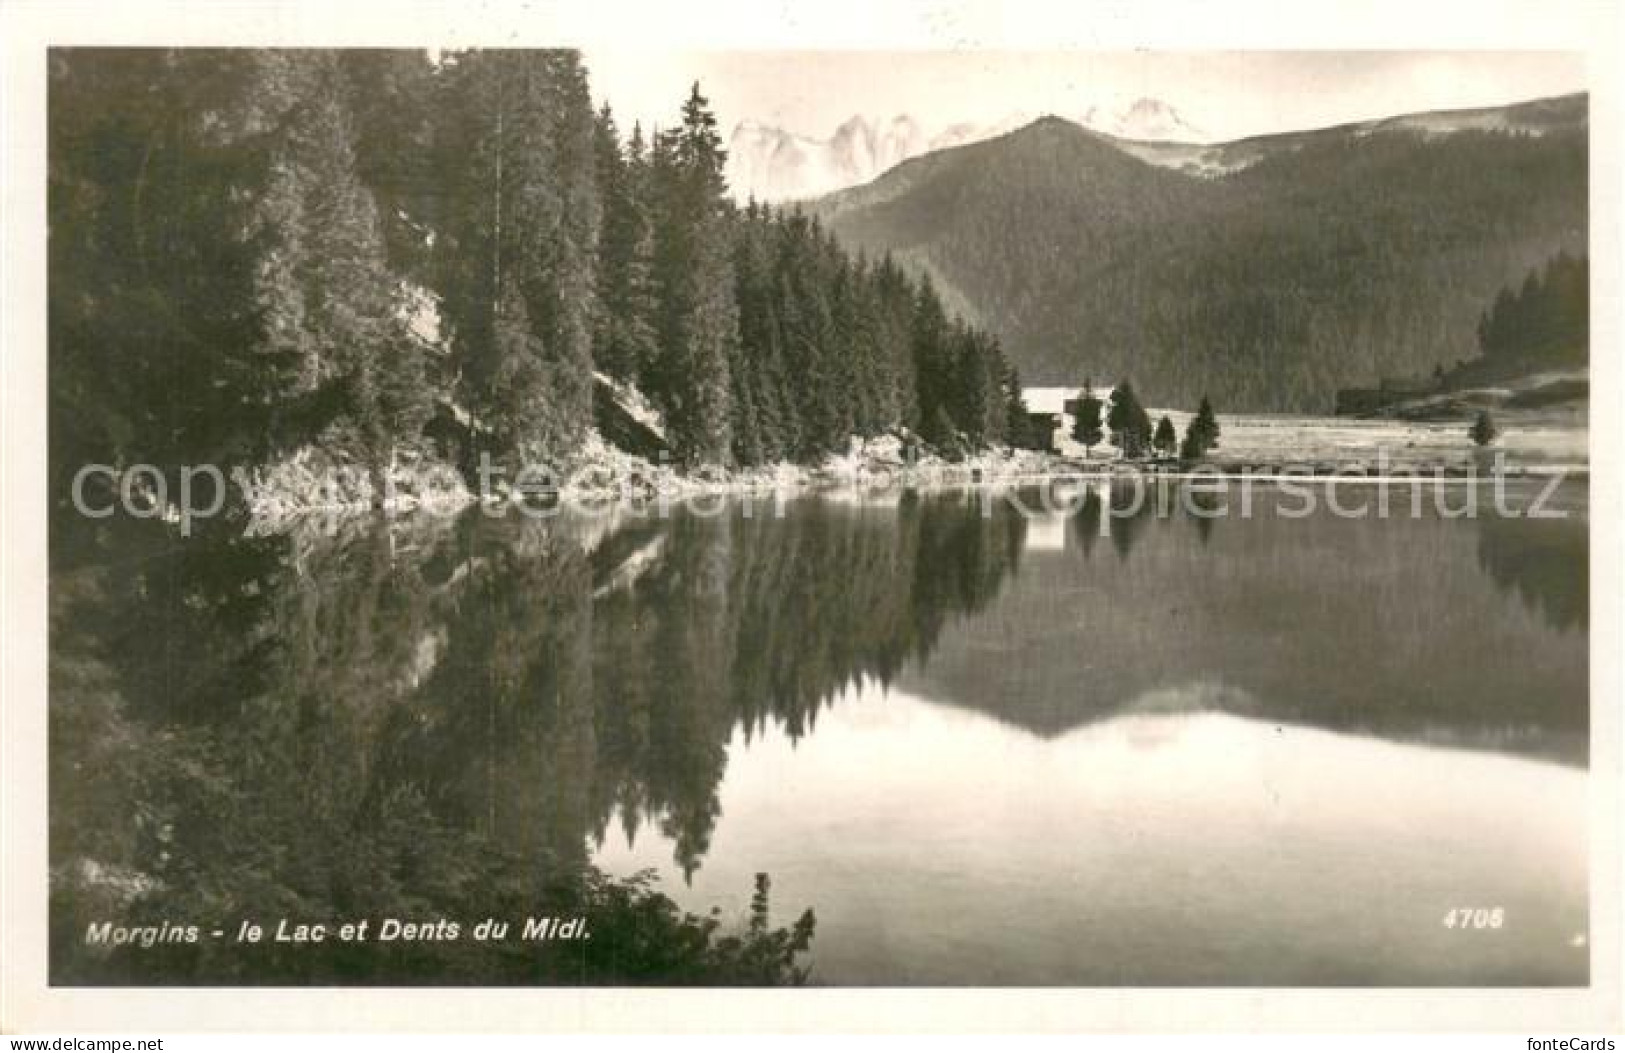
[(1400, 627), (1545, 563)]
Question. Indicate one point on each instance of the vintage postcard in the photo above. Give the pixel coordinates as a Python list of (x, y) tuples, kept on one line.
[(1065, 525)]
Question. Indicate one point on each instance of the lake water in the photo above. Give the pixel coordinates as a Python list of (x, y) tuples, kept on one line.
[(1076, 747)]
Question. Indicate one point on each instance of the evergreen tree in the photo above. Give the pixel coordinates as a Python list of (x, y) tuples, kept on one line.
[(515, 149), (1086, 418), (1165, 441), (1201, 434), (245, 285), (391, 98), (942, 433), (519, 383), (1018, 429), (1547, 322), (933, 366), (1130, 424), (804, 301), (895, 308), (624, 338), (759, 366), (357, 337), (980, 386), (159, 349), (698, 321), (1483, 431), (829, 380), (874, 389)]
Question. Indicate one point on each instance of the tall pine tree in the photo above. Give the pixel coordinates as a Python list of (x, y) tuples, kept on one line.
[(698, 321), (515, 149)]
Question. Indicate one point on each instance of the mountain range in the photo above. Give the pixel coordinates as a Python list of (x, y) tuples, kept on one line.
[(772, 164), (1265, 272)]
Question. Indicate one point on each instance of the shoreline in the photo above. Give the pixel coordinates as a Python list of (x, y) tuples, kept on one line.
[(316, 482), (989, 471)]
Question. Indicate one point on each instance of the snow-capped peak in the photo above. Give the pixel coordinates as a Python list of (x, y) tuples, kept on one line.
[(1143, 119), (771, 164)]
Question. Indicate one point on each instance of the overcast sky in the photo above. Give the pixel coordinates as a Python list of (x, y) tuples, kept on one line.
[(1227, 95)]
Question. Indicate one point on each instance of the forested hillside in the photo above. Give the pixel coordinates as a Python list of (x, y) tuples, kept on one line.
[(1330, 259), (243, 244), (1544, 323)]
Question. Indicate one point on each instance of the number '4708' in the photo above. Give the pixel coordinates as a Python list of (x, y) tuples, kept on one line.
[(1475, 918)]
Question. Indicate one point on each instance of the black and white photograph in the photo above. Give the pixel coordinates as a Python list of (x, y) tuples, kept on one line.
[(566, 514)]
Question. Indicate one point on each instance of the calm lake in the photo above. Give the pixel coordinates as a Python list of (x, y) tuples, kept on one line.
[(1076, 746)]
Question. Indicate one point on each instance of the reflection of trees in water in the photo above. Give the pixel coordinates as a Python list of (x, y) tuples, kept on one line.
[(1122, 512), (1543, 562), (423, 721), (750, 622)]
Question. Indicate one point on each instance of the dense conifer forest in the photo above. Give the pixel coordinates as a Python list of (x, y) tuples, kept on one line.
[(255, 251), (1544, 322)]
